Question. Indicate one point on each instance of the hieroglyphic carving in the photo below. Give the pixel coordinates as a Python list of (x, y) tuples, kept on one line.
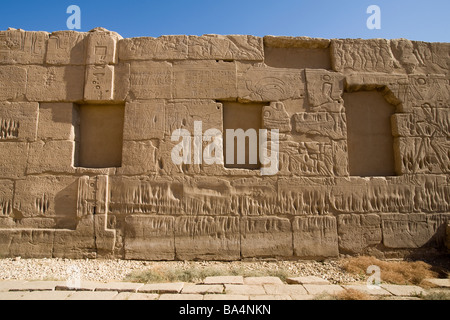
[(6, 198), (18, 46), (146, 48), (358, 232), (424, 121), (315, 158), (99, 84), (433, 90), (232, 47), (314, 124), (253, 197), (269, 84), (276, 117), (101, 47), (92, 195), (151, 80), (325, 90), (144, 120), (134, 196), (66, 47), (205, 80), (372, 55)]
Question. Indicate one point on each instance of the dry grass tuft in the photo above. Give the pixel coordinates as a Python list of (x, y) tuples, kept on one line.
[(352, 294), (396, 272)]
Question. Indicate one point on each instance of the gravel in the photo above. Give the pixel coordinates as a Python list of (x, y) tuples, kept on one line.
[(117, 270)]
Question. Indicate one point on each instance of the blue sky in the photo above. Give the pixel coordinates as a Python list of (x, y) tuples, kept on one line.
[(416, 20)]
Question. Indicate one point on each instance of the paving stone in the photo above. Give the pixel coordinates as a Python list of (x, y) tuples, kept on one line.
[(119, 286), (91, 295), (47, 295), (262, 280), (444, 283), (230, 297), (16, 295), (247, 289), (285, 289), (307, 280), (162, 288), (203, 288), (363, 288), (271, 297), (84, 286), (10, 284), (136, 296), (181, 297), (398, 290), (224, 280), (37, 286), (316, 289)]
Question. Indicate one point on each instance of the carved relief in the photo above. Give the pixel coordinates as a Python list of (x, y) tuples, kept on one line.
[(317, 124), (325, 90), (146, 48), (151, 80), (99, 84), (276, 117), (66, 47), (92, 196), (18, 46)]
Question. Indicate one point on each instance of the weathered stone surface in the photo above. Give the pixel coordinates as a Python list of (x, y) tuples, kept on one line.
[(307, 280), (162, 288), (246, 289), (224, 280), (87, 169), (263, 280), (66, 48), (22, 47), (202, 289), (13, 82), (315, 237), (149, 238), (208, 238), (285, 289), (398, 290), (204, 80), (264, 237), (55, 83)]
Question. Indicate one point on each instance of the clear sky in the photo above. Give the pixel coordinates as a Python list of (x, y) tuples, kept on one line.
[(426, 20)]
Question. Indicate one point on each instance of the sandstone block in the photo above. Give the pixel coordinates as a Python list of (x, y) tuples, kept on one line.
[(139, 157), (325, 90), (101, 47), (149, 238), (144, 120), (208, 238), (315, 237), (51, 157), (151, 80), (55, 83), (269, 84), (18, 121), (358, 232), (99, 84), (204, 80), (66, 48), (57, 121), (13, 159), (231, 47), (13, 82), (22, 47), (147, 48), (263, 237)]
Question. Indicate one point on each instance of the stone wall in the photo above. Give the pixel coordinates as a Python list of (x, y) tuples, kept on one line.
[(86, 124)]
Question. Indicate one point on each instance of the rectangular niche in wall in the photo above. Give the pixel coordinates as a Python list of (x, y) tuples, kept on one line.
[(100, 136), (369, 132), (243, 116)]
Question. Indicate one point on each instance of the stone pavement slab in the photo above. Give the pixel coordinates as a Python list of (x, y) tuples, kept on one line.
[(398, 290), (9, 284), (224, 280), (307, 280), (302, 296), (316, 289), (246, 289), (93, 295), (162, 288), (16, 295), (285, 289), (119, 286), (444, 283), (203, 288), (262, 280), (230, 297), (47, 295), (37, 286), (136, 296), (181, 296), (83, 286), (363, 288)]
